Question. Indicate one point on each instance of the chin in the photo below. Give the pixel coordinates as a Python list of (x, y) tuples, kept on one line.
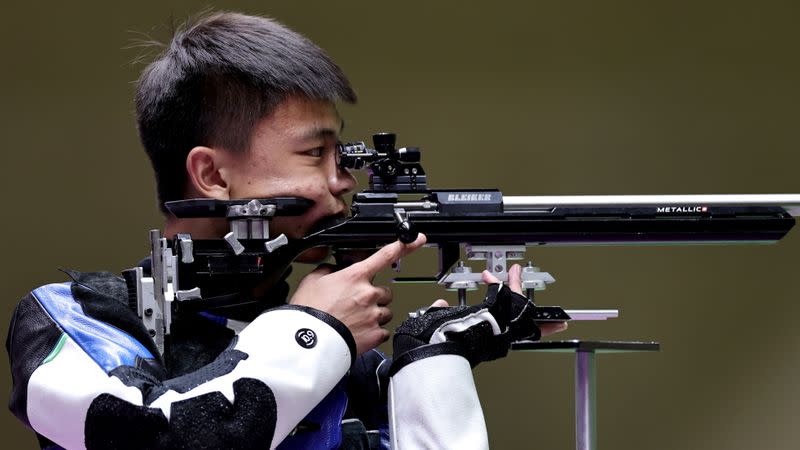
[(313, 255)]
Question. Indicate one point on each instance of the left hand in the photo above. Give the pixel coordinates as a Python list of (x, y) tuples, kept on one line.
[(515, 284)]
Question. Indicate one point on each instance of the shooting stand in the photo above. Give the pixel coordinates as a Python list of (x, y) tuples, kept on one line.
[(585, 377)]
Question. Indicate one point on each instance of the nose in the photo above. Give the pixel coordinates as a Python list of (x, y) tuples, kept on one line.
[(341, 181)]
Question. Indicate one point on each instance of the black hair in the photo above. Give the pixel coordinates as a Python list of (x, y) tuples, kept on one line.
[(220, 75)]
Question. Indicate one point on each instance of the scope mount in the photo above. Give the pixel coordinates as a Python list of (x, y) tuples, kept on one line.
[(390, 169)]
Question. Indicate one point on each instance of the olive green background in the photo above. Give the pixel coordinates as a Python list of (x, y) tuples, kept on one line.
[(571, 97)]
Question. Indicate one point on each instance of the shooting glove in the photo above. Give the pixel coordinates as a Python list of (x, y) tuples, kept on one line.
[(432, 397), (480, 333)]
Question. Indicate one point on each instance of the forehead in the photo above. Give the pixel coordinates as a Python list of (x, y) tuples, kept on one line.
[(300, 119)]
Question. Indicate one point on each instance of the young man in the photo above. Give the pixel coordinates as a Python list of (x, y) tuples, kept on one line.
[(241, 107)]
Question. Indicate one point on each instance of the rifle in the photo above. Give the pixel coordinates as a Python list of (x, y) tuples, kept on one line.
[(218, 274)]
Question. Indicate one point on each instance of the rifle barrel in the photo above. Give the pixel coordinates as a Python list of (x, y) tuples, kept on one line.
[(789, 202)]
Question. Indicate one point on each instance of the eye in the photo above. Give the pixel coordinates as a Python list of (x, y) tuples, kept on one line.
[(315, 152)]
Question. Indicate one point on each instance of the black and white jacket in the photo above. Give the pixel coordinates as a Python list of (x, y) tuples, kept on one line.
[(87, 375)]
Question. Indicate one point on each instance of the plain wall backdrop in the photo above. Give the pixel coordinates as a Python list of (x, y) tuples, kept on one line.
[(538, 97)]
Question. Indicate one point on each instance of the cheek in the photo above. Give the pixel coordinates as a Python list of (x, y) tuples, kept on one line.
[(316, 189), (311, 187), (252, 187)]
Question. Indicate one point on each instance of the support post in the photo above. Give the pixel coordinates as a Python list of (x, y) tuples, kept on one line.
[(585, 401)]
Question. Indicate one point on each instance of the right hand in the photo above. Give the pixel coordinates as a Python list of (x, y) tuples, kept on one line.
[(350, 296)]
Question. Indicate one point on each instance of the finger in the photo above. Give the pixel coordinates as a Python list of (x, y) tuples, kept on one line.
[(488, 278), (319, 272), (385, 295), (385, 335), (373, 339), (515, 279), (387, 255), (384, 315), (548, 328), (440, 304)]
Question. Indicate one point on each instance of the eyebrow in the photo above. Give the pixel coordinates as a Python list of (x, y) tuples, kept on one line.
[(320, 132)]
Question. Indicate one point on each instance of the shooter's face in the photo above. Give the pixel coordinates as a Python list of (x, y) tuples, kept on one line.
[(293, 153)]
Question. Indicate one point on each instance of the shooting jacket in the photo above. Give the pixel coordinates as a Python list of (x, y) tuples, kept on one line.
[(87, 374)]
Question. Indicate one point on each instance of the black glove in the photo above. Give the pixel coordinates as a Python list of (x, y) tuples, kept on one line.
[(479, 333)]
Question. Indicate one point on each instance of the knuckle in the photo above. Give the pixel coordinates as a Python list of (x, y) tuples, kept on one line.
[(376, 293), (382, 316), (364, 300), (384, 294)]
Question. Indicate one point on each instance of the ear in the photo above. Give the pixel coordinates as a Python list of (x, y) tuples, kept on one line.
[(206, 169)]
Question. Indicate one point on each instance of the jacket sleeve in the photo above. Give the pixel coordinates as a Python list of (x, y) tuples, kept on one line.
[(83, 383), (433, 402)]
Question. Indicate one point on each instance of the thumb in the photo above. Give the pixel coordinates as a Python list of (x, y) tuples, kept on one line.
[(488, 278), (319, 272), (440, 304)]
